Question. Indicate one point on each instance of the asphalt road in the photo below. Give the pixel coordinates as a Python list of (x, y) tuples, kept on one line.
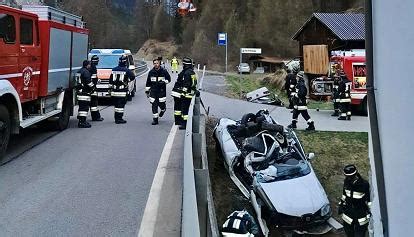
[(85, 182)]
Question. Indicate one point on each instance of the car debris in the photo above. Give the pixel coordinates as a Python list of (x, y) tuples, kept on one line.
[(263, 96)]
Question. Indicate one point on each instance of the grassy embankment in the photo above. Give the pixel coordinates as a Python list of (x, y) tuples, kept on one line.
[(237, 88), (334, 150)]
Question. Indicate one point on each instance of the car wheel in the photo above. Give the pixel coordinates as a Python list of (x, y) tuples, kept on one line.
[(4, 130)]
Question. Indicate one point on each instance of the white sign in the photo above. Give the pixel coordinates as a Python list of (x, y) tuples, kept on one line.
[(222, 36), (222, 39), (251, 50)]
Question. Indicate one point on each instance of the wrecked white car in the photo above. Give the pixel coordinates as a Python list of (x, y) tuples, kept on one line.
[(268, 164)]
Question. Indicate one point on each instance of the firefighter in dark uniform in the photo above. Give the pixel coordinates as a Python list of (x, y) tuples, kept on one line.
[(335, 95), (300, 104), (176, 94), (189, 89), (344, 89), (118, 83), (155, 88), (84, 89), (355, 204), (96, 116), (240, 223), (290, 86)]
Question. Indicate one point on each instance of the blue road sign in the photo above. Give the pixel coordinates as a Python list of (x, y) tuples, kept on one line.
[(222, 39)]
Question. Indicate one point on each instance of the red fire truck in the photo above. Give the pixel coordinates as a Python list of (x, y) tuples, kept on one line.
[(41, 48), (353, 64)]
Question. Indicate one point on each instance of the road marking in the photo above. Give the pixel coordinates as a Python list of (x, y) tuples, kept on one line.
[(149, 219)]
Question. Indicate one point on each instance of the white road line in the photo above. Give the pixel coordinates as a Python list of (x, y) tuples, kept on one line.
[(149, 219)]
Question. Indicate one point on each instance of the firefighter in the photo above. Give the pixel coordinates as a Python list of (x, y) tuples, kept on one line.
[(96, 116), (176, 94), (155, 88), (355, 204), (291, 82), (300, 104), (344, 89), (118, 83), (189, 88), (84, 88), (240, 223), (335, 95), (174, 65)]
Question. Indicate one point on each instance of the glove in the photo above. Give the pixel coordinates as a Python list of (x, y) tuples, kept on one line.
[(147, 94)]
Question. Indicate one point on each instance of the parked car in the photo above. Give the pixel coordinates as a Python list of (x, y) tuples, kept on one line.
[(268, 164), (108, 59), (243, 68)]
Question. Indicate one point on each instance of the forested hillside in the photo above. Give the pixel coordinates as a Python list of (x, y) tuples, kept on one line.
[(268, 24)]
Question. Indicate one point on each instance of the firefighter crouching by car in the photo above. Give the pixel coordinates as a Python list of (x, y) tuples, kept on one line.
[(300, 105), (189, 89), (118, 83), (240, 224), (344, 89), (84, 89), (155, 88), (96, 116), (355, 204)]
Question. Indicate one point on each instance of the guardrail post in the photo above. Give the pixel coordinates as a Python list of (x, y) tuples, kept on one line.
[(198, 67)]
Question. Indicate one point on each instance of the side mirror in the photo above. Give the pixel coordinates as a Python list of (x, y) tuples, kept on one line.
[(311, 156)]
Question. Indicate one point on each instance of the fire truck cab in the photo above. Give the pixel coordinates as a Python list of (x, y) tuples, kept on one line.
[(41, 48)]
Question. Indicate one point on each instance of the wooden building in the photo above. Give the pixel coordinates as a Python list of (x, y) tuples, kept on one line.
[(335, 31)]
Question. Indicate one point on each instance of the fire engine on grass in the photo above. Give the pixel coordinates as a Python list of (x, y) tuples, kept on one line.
[(41, 48)]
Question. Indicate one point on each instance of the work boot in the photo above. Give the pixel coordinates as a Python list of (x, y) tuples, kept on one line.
[(311, 126), (348, 117), (183, 126), (342, 118), (178, 121), (84, 124), (98, 119), (335, 114), (161, 113), (292, 125), (154, 121), (120, 121)]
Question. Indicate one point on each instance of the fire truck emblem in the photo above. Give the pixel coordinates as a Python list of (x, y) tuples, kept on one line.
[(27, 75)]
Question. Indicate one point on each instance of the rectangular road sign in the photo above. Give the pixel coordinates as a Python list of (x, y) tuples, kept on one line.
[(251, 50), (222, 39)]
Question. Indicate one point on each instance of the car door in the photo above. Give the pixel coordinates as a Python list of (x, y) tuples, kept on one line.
[(9, 49)]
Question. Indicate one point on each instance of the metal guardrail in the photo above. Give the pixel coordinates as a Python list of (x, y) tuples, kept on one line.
[(198, 214)]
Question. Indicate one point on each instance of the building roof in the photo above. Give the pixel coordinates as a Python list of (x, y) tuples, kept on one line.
[(346, 26)]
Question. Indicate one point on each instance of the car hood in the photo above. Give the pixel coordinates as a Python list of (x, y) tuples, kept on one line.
[(104, 73), (298, 196)]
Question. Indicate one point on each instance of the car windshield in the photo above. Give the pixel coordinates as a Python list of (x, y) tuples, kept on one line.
[(108, 61), (289, 165), (244, 65)]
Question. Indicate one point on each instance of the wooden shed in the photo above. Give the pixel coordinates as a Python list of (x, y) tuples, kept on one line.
[(326, 32)]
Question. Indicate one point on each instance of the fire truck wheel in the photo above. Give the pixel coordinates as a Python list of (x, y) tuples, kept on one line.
[(63, 120), (4, 129)]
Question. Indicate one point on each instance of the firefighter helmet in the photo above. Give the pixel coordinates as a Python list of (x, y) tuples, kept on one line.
[(95, 59), (350, 170), (123, 60), (187, 61)]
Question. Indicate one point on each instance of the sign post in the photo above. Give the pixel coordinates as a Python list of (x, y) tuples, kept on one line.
[(222, 41)]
